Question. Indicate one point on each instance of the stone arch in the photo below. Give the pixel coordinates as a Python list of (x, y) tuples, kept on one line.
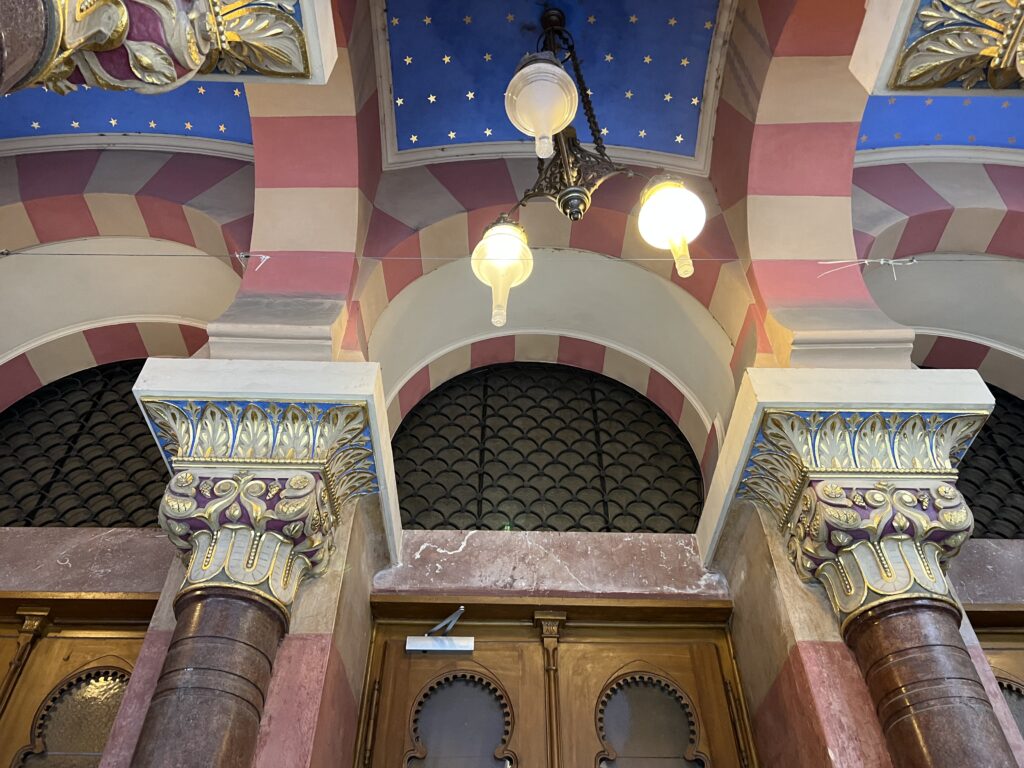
[(60, 356), (998, 366), (909, 209), (572, 309), (400, 254), (785, 139), (200, 201)]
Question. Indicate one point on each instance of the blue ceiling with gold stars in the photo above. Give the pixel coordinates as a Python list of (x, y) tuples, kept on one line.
[(212, 110), (974, 117), (967, 119), (644, 63)]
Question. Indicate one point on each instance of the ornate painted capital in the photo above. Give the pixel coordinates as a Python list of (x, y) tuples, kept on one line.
[(866, 501), (869, 544), (151, 46), (258, 487), (965, 41)]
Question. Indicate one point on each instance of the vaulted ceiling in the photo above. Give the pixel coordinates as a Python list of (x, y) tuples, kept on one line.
[(645, 64)]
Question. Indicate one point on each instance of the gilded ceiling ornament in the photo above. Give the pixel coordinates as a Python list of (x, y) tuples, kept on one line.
[(101, 47), (866, 501), (259, 487), (966, 41)]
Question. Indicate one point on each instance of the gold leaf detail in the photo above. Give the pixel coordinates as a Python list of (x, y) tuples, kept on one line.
[(263, 39), (954, 517), (945, 55), (833, 491), (841, 538), (150, 63)]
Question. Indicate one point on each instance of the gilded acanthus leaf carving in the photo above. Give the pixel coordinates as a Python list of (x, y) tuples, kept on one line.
[(263, 37), (965, 41), (866, 501), (867, 545), (150, 63), (259, 487), (167, 42)]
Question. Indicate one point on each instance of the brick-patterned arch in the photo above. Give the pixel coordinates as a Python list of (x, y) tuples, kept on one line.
[(397, 255), (785, 139), (907, 209), (998, 367), (700, 432), (201, 201), (73, 352)]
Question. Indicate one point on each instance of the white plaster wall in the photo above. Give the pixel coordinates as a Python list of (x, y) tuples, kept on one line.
[(571, 293), (57, 288), (976, 297)]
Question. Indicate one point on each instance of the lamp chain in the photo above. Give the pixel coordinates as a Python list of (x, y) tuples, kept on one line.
[(588, 107)]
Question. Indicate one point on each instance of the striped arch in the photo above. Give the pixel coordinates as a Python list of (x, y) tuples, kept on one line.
[(566, 350), (785, 138), (200, 201), (999, 367), (401, 254), (908, 209), (59, 357), (317, 159)]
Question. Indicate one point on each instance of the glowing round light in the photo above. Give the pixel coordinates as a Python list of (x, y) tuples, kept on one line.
[(541, 100), (671, 217), (502, 260)]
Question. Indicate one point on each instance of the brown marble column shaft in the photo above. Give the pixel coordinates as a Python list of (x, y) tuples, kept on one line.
[(206, 709), (930, 701), (24, 26)]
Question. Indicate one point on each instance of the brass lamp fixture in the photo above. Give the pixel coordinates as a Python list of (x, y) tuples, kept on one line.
[(541, 101)]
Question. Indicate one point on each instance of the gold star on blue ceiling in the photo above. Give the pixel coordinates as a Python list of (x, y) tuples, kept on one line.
[(655, 52), (206, 107)]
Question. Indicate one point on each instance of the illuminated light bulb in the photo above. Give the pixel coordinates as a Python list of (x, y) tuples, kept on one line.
[(502, 260), (541, 100), (671, 217)]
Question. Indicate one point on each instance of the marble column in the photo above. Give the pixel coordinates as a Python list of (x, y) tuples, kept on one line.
[(854, 474), (256, 495), (880, 553), (921, 676)]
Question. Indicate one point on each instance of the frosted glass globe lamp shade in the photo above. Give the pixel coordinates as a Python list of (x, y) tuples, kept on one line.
[(541, 100), (671, 217), (502, 260)]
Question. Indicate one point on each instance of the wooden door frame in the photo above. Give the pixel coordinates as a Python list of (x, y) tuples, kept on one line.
[(688, 618)]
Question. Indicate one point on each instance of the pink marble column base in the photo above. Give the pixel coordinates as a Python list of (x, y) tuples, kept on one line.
[(311, 716), (128, 725), (818, 714)]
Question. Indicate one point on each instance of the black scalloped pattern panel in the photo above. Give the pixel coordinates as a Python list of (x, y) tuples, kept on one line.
[(78, 452), (536, 447), (992, 472)]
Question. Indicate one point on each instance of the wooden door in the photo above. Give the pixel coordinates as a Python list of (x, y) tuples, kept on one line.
[(555, 695), (643, 701), (501, 679)]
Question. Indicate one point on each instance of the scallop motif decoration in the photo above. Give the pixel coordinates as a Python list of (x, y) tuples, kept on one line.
[(530, 446), (992, 471), (77, 452)]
